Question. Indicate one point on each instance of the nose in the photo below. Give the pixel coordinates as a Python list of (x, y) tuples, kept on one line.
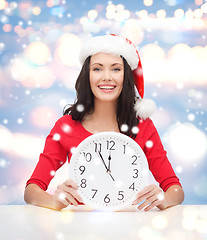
[(106, 76)]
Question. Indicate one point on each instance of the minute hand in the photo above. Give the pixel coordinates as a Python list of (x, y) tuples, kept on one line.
[(105, 166), (103, 160)]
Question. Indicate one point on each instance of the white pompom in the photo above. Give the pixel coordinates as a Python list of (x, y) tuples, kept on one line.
[(144, 108)]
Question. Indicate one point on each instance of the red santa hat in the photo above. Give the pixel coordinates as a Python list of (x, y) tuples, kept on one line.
[(121, 46)]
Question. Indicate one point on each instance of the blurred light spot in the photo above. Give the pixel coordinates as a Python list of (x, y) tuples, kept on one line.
[(124, 127), (202, 226), (52, 173), (204, 8), (73, 150), (66, 128), (135, 130), (161, 13), (13, 5), (7, 27), (191, 117), (189, 14), (198, 13), (36, 11), (143, 14), (67, 51), (80, 108), (62, 196), (186, 142), (160, 196), (92, 14), (148, 2), (149, 144), (2, 46), (179, 169), (133, 31), (56, 137), (179, 13), (66, 216), (5, 138), (20, 120), (159, 222), (3, 4), (46, 117), (38, 53), (3, 163), (198, 2)]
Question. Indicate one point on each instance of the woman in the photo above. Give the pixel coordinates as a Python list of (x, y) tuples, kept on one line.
[(106, 101)]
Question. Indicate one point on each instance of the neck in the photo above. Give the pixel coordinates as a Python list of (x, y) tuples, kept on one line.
[(104, 111)]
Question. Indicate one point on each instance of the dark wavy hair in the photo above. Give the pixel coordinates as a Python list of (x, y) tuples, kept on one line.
[(125, 108)]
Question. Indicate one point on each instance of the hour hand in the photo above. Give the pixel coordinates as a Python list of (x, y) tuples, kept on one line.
[(109, 162)]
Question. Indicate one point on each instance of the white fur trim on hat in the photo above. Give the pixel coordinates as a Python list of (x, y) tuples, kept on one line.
[(144, 108), (115, 45)]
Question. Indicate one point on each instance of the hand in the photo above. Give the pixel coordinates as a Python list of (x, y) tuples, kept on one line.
[(99, 153), (66, 193), (152, 197)]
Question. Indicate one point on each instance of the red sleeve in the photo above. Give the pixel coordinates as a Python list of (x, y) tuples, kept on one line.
[(158, 162), (53, 157)]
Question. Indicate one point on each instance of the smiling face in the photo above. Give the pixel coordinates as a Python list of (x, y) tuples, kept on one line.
[(106, 76)]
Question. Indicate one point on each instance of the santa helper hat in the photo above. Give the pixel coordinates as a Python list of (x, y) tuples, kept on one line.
[(121, 46)]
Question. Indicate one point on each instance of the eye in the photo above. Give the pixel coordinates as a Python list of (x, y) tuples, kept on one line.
[(116, 69), (96, 69)]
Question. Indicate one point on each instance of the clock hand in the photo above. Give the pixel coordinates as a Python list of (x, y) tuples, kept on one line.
[(105, 165), (109, 158), (103, 160)]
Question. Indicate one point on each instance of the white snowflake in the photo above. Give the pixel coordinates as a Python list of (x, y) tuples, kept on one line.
[(56, 137), (149, 144)]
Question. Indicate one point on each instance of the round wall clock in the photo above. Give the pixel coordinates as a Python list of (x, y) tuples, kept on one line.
[(109, 168)]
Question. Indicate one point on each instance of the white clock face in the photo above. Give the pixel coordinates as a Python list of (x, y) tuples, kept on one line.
[(109, 168)]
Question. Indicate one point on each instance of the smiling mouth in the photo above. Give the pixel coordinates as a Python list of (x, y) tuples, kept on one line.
[(106, 87)]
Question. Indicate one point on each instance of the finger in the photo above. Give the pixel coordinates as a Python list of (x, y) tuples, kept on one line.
[(147, 202), (71, 199), (71, 183), (145, 196), (152, 205), (61, 197), (146, 190), (73, 193)]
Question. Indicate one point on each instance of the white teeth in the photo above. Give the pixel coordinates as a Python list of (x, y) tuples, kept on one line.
[(106, 87)]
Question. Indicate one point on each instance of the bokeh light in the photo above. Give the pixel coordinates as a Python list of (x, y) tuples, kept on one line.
[(186, 142), (38, 53), (67, 51), (46, 117)]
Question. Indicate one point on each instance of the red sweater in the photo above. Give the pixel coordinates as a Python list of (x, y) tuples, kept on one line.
[(68, 133)]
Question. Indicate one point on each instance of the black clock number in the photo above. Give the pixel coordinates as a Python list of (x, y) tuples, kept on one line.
[(95, 191), (121, 196), (83, 183), (136, 173), (82, 169), (97, 147), (124, 148), (107, 199), (132, 186), (135, 159), (110, 145), (87, 156)]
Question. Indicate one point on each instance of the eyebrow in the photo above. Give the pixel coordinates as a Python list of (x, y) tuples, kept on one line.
[(111, 65)]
